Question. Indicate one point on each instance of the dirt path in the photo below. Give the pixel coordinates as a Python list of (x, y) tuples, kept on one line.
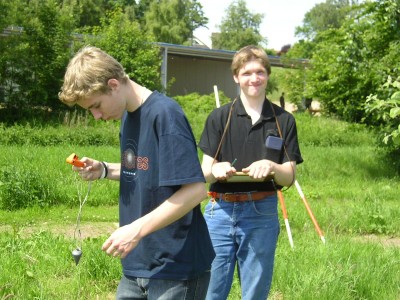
[(92, 229), (97, 229), (386, 241)]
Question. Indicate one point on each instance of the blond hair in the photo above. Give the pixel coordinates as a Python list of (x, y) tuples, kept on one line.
[(247, 54), (88, 73)]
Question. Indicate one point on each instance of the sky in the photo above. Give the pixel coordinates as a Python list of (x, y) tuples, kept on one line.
[(280, 18)]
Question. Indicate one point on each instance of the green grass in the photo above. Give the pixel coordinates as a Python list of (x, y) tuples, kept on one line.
[(40, 266), (344, 268), (351, 184), (40, 175)]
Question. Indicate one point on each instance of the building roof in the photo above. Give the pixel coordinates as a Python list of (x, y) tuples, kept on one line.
[(226, 55)]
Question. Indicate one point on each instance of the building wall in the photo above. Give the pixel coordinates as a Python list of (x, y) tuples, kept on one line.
[(197, 74)]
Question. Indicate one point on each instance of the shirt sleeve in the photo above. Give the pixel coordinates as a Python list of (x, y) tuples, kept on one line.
[(179, 162), (291, 143), (212, 133)]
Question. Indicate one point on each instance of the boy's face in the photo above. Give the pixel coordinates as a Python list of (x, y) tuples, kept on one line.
[(109, 106), (252, 79), (105, 106)]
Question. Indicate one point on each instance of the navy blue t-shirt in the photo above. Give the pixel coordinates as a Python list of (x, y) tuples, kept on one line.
[(158, 156)]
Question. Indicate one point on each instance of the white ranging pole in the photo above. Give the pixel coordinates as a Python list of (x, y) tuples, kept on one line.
[(216, 96), (289, 233), (285, 217), (319, 231)]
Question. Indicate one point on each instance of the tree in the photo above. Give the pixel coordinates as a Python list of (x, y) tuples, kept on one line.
[(4, 4), (302, 49), (129, 7), (324, 16), (124, 40), (140, 11), (354, 61), (195, 16), (33, 58), (173, 21), (90, 12), (238, 28)]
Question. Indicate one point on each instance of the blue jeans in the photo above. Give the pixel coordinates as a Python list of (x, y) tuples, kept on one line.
[(246, 234), (161, 289)]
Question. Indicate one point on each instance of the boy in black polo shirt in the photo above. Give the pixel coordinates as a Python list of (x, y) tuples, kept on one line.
[(242, 216)]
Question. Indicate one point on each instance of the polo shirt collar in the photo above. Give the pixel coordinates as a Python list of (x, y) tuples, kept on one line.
[(266, 113)]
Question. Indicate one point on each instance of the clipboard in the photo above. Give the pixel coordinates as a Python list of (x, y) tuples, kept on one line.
[(243, 177)]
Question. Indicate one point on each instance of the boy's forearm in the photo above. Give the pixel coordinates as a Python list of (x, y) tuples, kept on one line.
[(114, 170), (285, 174), (172, 209)]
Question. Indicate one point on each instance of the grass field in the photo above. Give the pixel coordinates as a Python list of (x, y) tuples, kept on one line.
[(351, 184)]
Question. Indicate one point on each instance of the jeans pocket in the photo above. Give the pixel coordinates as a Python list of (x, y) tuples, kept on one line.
[(267, 207)]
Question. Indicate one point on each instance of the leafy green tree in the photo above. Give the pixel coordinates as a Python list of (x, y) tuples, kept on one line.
[(353, 61), (112, 4), (141, 9), (320, 25), (324, 16), (129, 7), (173, 21), (4, 4), (33, 57), (302, 49), (90, 12), (133, 48), (238, 28), (195, 16)]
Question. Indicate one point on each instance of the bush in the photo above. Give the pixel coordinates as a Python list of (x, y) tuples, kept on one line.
[(198, 107), (386, 112)]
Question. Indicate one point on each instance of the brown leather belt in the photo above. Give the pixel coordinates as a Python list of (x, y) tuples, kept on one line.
[(240, 197)]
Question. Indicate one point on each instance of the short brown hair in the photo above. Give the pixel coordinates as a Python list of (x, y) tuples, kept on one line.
[(88, 73), (247, 54)]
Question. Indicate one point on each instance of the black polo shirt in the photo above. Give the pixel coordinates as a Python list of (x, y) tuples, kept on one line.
[(246, 142)]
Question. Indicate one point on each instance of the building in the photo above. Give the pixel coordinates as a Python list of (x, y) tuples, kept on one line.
[(198, 69)]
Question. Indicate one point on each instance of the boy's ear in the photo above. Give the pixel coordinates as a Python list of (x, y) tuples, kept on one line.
[(235, 78), (113, 83)]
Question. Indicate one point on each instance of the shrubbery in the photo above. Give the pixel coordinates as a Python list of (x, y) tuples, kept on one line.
[(385, 111), (197, 107)]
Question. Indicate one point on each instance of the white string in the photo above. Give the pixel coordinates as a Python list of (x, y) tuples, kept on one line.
[(77, 229), (78, 219)]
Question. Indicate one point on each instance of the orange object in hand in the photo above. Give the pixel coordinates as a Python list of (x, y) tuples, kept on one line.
[(74, 160)]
